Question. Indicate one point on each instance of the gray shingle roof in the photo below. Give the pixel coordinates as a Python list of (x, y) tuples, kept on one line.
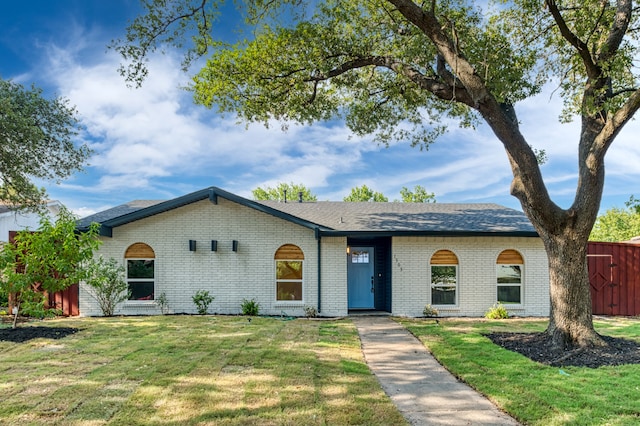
[(408, 217), (116, 211), (344, 218)]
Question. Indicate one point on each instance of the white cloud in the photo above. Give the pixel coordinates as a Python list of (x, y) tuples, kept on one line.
[(153, 142), (141, 136)]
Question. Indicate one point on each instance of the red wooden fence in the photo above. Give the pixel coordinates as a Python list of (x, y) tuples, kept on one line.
[(66, 300), (614, 275)]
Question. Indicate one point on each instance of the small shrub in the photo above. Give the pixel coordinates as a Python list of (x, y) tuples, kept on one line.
[(310, 311), (202, 300), (430, 311), (250, 307), (163, 303), (107, 283), (35, 307), (497, 311)]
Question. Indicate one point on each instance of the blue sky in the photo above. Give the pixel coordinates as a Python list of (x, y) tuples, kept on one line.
[(153, 143)]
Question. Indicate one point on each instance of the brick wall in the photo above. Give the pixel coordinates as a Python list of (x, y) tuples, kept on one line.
[(229, 276), (334, 276), (476, 274)]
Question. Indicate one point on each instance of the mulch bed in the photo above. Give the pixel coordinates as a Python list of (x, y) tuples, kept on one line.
[(536, 346), (22, 334)]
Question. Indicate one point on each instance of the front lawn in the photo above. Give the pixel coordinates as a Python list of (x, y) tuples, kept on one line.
[(188, 370), (534, 393)]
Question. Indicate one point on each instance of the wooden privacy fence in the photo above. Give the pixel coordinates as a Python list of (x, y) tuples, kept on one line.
[(614, 275)]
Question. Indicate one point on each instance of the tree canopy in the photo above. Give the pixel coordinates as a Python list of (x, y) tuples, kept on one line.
[(418, 195), (618, 224), (364, 193), (36, 142), (284, 191), (395, 68)]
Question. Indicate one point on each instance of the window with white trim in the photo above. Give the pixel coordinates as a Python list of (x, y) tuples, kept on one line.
[(140, 272), (289, 273), (444, 278), (509, 269)]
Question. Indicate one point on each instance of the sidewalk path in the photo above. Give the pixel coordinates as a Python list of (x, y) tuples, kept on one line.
[(424, 391)]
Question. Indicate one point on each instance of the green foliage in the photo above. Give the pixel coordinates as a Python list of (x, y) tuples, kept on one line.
[(51, 259), (36, 135), (167, 24), (108, 287), (418, 195), (277, 193), (33, 305), (310, 311), (162, 302), (430, 311), (617, 224), (364, 193), (202, 299), (497, 311), (633, 204), (250, 307)]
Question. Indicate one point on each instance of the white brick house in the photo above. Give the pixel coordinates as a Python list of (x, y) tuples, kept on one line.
[(335, 256)]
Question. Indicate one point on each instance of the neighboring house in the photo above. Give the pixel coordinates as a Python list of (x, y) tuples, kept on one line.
[(338, 257), (13, 220)]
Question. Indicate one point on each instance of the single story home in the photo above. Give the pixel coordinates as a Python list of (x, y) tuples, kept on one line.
[(337, 257)]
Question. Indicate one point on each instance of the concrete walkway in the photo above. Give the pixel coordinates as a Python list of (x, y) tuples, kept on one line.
[(424, 391)]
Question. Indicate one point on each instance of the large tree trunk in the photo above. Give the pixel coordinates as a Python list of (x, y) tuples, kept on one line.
[(570, 320), (565, 232)]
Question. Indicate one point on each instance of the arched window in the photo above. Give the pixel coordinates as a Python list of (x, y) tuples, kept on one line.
[(509, 267), (140, 260), (444, 278), (289, 277)]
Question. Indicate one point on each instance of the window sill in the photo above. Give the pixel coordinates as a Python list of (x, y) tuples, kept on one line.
[(140, 303), (446, 307), (513, 307), (292, 304)]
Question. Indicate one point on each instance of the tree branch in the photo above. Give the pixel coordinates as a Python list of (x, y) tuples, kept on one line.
[(617, 32), (443, 72), (616, 122), (528, 185), (593, 71), (427, 22), (439, 88), (603, 9), (165, 25)]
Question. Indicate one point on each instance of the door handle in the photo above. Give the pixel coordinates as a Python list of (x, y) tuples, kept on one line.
[(372, 286)]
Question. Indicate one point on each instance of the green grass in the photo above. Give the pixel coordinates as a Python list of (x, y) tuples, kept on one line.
[(533, 393), (192, 370)]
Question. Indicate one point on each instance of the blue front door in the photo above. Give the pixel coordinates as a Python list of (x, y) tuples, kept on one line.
[(360, 288)]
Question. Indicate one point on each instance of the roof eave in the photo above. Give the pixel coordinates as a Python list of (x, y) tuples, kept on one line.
[(407, 233)]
